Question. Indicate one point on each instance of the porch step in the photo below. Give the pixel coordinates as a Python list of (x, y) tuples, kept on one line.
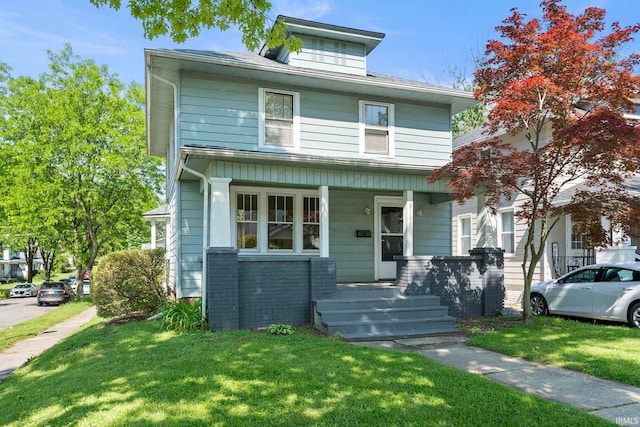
[(379, 314)]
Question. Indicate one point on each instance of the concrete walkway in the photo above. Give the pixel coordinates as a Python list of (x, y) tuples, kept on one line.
[(612, 401), (14, 357)]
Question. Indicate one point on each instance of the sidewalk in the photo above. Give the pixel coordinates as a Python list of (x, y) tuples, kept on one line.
[(618, 403), (17, 355)]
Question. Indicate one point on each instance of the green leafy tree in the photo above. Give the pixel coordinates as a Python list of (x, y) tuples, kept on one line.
[(186, 18), (471, 118), (561, 85), (74, 141)]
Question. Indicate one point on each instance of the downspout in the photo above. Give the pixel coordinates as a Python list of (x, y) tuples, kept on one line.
[(205, 233), (178, 249)]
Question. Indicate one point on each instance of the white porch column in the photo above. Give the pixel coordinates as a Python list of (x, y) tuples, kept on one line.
[(487, 227), (220, 221), (153, 233), (324, 221), (407, 223)]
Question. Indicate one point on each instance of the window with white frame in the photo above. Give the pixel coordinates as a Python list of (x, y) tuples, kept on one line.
[(464, 235), (279, 119), (276, 220), (376, 128), (506, 232), (246, 221), (576, 239)]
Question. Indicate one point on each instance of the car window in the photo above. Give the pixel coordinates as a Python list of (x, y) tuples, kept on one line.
[(588, 275), (615, 274), (52, 285)]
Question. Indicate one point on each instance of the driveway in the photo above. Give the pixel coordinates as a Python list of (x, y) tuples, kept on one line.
[(18, 310)]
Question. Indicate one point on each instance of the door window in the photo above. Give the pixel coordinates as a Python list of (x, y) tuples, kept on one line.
[(391, 232)]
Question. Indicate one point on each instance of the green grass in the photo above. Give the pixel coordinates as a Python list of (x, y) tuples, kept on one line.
[(39, 324), (137, 374), (605, 351)]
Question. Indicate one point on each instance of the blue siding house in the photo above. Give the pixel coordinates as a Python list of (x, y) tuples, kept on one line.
[(290, 172)]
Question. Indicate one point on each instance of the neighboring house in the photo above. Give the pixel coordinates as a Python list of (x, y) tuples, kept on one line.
[(13, 266), (287, 172), (159, 219), (474, 226)]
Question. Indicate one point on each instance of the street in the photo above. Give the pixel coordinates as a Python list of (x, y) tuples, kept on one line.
[(18, 310)]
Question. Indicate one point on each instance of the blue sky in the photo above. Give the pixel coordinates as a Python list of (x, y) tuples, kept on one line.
[(424, 39)]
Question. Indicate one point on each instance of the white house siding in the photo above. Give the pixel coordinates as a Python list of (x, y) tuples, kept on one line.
[(330, 55), (467, 210), (224, 114), (191, 208), (513, 276)]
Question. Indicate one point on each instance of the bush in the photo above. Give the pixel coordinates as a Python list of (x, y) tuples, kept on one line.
[(127, 282), (182, 316), (280, 329)]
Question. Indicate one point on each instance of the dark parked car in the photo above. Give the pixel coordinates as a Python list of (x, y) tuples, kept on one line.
[(53, 293)]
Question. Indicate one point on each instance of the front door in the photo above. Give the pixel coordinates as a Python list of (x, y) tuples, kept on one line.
[(389, 236)]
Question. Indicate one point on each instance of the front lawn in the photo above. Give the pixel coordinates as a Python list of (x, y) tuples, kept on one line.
[(136, 374), (605, 351)]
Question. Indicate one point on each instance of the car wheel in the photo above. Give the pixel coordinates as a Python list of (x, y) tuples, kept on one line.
[(538, 305), (634, 315)]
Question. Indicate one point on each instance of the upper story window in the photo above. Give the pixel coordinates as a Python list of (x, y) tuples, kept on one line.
[(464, 235), (279, 119), (376, 128), (506, 232)]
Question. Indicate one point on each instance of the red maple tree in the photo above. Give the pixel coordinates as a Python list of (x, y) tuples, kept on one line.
[(560, 86)]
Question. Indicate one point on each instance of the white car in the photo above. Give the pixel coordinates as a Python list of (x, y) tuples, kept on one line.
[(599, 291), (24, 290)]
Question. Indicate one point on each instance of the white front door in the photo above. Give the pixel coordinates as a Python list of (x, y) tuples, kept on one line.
[(389, 236)]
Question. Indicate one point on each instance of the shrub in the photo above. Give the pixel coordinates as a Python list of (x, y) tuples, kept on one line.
[(182, 316), (130, 281), (280, 329)]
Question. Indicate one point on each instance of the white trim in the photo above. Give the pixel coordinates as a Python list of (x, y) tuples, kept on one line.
[(500, 230), (220, 213), (324, 221), (460, 218), (263, 226), (379, 201), (390, 129), (261, 121), (407, 224)]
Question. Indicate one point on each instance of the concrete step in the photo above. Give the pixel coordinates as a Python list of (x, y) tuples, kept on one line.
[(393, 313), (366, 301), (369, 292), (435, 329), (397, 327)]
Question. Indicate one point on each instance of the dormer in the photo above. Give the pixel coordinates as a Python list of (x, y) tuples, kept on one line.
[(326, 47)]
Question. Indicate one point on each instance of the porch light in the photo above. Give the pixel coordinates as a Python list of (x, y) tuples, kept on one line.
[(419, 212), (367, 211)]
